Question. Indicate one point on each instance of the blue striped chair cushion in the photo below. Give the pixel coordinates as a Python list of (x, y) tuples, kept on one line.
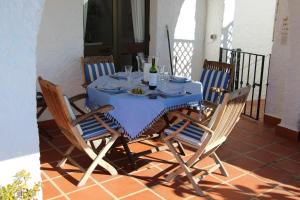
[(214, 78), (192, 134), (94, 71), (90, 128)]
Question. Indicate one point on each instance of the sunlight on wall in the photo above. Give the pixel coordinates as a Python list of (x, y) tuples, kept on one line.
[(229, 12), (185, 27), (228, 20), (183, 38)]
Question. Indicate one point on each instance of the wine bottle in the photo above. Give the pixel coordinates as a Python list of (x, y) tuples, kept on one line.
[(153, 76)]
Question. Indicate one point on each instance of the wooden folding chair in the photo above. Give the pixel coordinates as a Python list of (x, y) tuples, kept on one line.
[(217, 79), (95, 66), (83, 131), (205, 139)]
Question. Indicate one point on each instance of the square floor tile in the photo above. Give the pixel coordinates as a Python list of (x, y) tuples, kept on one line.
[(257, 141), (173, 190), (263, 156), (60, 198), (149, 177), (242, 147), (271, 174), (251, 185), (226, 192), (295, 157), (101, 175), (289, 166), (278, 194), (232, 171), (52, 171), (292, 186), (146, 195), (206, 183), (280, 150), (50, 156), (225, 153), (245, 163), (69, 182), (49, 191), (123, 186), (90, 193)]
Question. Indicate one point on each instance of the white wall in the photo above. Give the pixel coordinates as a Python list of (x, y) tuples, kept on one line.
[(60, 45), (215, 13), (253, 25), (186, 20), (19, 146), (227, 23), (252, 31), (283, 100)]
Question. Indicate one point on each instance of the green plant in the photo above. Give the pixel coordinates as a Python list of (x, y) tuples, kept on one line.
[(19, 190)]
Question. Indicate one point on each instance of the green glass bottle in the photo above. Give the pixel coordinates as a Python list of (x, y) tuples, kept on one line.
[(153, 76)]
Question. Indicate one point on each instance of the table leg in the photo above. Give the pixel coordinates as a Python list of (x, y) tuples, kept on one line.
[(129, 154)]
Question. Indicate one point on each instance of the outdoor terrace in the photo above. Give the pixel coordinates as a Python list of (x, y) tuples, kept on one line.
[(261, 166)]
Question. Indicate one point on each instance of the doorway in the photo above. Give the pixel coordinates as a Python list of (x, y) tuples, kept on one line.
[(119, 28)]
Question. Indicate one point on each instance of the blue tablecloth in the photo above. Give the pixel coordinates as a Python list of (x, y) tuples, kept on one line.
[(136, 114)]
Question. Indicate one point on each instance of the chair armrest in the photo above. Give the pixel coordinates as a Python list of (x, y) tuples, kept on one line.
[(101, 110), (191, 110), (188, 111), (75, 99), (85, 85), (194, 121), (78, 97), (218, 90)]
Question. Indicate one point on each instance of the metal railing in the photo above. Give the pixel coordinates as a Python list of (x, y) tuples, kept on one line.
[(250, 69)]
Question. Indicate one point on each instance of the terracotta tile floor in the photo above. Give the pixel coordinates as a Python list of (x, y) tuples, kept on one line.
[(261, 166)]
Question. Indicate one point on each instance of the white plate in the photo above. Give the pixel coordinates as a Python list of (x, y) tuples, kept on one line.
[(112, 91), (176, 79), (169, 94)]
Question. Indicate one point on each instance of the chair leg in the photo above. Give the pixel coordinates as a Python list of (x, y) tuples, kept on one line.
[(128, 153), (66, 156), (185, 168), (191, 162), (181, 149), (99, 161), (219, 162)]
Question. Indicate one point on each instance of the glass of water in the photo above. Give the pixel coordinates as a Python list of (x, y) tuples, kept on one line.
[(128, 70), (161, 70), (165, 79)]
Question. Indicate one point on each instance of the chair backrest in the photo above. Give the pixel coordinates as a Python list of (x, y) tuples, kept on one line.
[(226, 116), (216, 74), (95, 66), (57, 106)]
